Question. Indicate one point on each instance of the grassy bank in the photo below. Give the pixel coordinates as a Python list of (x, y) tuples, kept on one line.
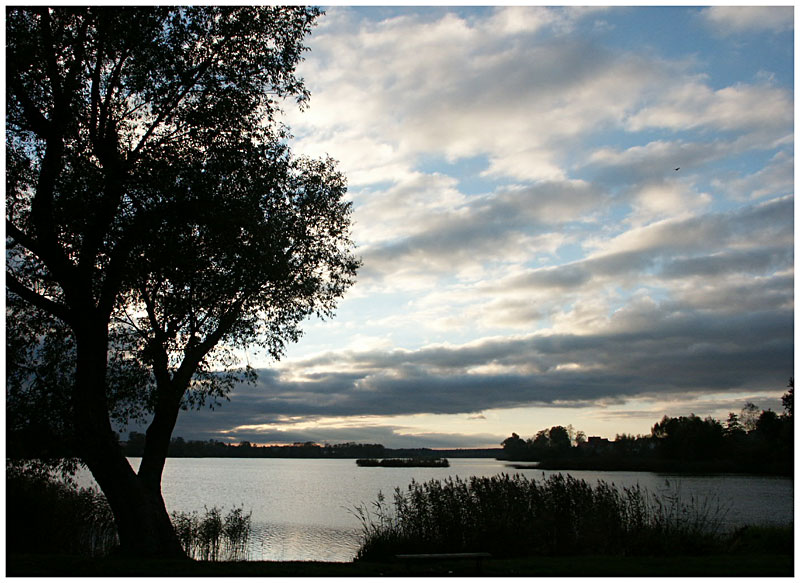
[(514, 516), (557, 526), (723, 565), (52, 515)]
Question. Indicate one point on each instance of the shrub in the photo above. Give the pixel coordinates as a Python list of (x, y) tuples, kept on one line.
[(515, 516)]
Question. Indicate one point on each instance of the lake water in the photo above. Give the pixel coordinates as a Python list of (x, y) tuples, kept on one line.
[(302, 509)]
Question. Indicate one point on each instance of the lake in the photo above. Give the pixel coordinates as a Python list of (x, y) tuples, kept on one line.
[(302, 508)]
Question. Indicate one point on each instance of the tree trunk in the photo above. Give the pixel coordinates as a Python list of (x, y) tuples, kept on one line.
[(143, 524)]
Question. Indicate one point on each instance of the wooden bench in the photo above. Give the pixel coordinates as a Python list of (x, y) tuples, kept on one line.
[(477, 557)]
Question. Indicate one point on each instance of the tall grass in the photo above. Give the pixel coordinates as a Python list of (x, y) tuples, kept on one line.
[(516, 516), (212, 537), (47, 515)]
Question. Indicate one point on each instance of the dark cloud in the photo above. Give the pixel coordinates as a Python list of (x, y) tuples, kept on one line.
[(690, 353), (759, 261), (203, 425), (721, 243)]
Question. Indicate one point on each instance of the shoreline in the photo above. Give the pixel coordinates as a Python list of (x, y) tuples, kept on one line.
[(716, 467), (735, 564)]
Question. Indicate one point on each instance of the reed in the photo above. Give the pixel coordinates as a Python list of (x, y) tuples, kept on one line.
[(212, 537), (45, 514), (50, 514), (513, 516)]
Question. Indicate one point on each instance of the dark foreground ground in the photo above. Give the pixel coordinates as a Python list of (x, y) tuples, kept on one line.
[(766, 564)]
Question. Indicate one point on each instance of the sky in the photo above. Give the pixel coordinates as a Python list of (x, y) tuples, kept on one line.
[(566, 216)]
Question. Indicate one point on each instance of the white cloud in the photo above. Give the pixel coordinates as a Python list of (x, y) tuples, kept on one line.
[(476, 91), (741, 19), (763, 110), (415, 204), (518, 19), (447, 235), (386, 94), (657, 201), (656, 160), (675, 257)]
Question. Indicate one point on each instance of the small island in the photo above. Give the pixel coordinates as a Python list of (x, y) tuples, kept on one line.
[(403, 463)]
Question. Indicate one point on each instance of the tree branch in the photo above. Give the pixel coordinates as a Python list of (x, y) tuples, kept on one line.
[(50, 57), (195, 354), (94, 103), (52, 257), (52, 307), (36, 120)]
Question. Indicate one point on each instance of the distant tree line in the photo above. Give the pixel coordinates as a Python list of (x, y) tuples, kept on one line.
[(753, 440), (180, 447)]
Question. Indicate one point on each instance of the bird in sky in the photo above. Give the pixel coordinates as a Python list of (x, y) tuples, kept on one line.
[(678, 168)]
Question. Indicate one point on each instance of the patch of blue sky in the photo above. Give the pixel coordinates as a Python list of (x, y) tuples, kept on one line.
[(718, 174), (678, 33), (746, 163), (468, 171), (379, 302), (613, 222), (570, 253), (424, 13)]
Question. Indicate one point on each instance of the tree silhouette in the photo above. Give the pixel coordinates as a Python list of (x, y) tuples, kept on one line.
[(787, 400), (514, 447), (155, 212), (559, 438), (689, 438), (748, 416)]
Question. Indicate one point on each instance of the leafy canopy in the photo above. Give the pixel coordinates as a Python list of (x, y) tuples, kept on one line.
[(151, 189)]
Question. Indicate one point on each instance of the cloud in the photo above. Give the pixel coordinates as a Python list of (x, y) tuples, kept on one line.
[(520, 91), (506, 226), (205, 424), (694, 353), (765, 113), (570, 265), (776, 178), (755, 261), (654, 161), (638, 250), (479, 90), (747, 226), (727, 20), (513, 87), (644, 348)]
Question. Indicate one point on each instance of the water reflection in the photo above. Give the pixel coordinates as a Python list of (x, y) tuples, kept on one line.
[(292, 542), (302, 509)]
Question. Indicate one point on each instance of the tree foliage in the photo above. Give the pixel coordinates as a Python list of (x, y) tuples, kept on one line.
[(156, 219), (765, 443), (144, 174)]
